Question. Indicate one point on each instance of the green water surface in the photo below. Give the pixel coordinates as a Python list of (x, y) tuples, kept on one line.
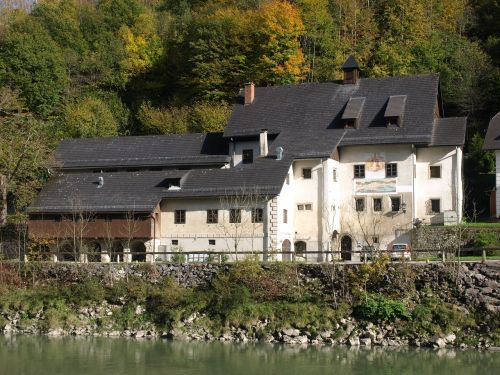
[(72, 356)]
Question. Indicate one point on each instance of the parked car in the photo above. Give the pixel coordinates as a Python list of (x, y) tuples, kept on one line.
[(400, 251)]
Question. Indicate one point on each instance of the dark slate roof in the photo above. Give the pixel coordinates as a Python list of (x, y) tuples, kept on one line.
[(449, 131), (353, 108), (317, 108), (121, 192), (350, 63), (395, 106), (153, 150), (492, 140), (265, 176)]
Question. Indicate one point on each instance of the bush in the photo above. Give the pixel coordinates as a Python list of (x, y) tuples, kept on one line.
[(377, 307)]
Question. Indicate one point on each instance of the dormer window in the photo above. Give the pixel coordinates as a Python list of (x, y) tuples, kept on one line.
[(352, 112), (247, 156), (395, 110)]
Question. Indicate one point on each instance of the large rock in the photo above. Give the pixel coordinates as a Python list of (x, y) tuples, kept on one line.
[(292, 332)]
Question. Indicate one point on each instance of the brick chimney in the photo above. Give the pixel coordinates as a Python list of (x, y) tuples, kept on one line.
[(351, 71), (249, 93)]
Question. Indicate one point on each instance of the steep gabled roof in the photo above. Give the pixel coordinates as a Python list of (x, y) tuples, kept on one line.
[(449, 131), (492, 139), (121, 192), (317, 108), (152, 150)]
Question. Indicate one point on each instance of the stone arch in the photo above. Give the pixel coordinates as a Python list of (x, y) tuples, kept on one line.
[(94, 250), (67, 252), (346, 247), (138, 250), (117, 252), (300, 248), (286, 247)]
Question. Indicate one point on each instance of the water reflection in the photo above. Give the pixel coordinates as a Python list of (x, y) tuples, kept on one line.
[(66, 355)]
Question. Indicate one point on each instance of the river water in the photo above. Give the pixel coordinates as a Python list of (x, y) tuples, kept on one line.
[(73, 356)]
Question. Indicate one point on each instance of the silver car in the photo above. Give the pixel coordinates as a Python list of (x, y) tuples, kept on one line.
[(400, 251)]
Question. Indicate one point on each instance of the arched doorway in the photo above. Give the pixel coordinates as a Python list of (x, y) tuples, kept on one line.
[(286, 247), (346, 248), (117, 252), (138, 250), (67, 253), (94, 252), (300, 248)]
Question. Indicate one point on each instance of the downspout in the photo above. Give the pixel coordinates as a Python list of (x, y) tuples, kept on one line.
[(414, 175), (458, 184), (322, 204), (154, 233)]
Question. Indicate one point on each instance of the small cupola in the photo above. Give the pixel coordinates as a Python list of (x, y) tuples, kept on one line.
[(351, 70), (395, 110)]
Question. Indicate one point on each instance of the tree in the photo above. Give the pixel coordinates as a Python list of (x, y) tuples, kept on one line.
[(90, 117), (24, 150), (278, 38), (32, 62)]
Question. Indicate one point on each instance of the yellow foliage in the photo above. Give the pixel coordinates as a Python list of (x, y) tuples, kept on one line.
[(142, 45)]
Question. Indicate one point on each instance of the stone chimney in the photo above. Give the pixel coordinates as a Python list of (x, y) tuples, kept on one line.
[(249, 93), (263, 143), (351, 71)]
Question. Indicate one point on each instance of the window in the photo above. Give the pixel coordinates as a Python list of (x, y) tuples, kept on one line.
[(180, 217), (435, 171), (375, 240), (435, 206), (395, 204), (300, 207), (285, 216), (212, 216), (211, 242), (391, 170), (359, 171), (257, 215), (307, 173), (300, 248), (350, 124), (334, 173), (308, 207), (377, 204), (175, 242), (247, 156), (235, 215), (360, 204), (287, 179)]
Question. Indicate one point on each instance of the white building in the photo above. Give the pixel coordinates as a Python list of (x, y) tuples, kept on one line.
[(492, 142), (302, 169)]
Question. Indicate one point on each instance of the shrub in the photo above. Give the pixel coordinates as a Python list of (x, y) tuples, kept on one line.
[(377, 307)]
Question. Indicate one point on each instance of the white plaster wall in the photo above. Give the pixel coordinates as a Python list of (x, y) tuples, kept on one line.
[(195, 234), (240, 146), (444, 188), (286, 201), (307, 191), (389, 227)]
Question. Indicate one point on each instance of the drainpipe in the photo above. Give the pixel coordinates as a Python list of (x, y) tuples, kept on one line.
[(414, 175), (321, 213), (458, 184), (152, 216)]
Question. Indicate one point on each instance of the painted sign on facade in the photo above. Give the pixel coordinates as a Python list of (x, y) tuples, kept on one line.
[(387, 185), (375, 166)]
